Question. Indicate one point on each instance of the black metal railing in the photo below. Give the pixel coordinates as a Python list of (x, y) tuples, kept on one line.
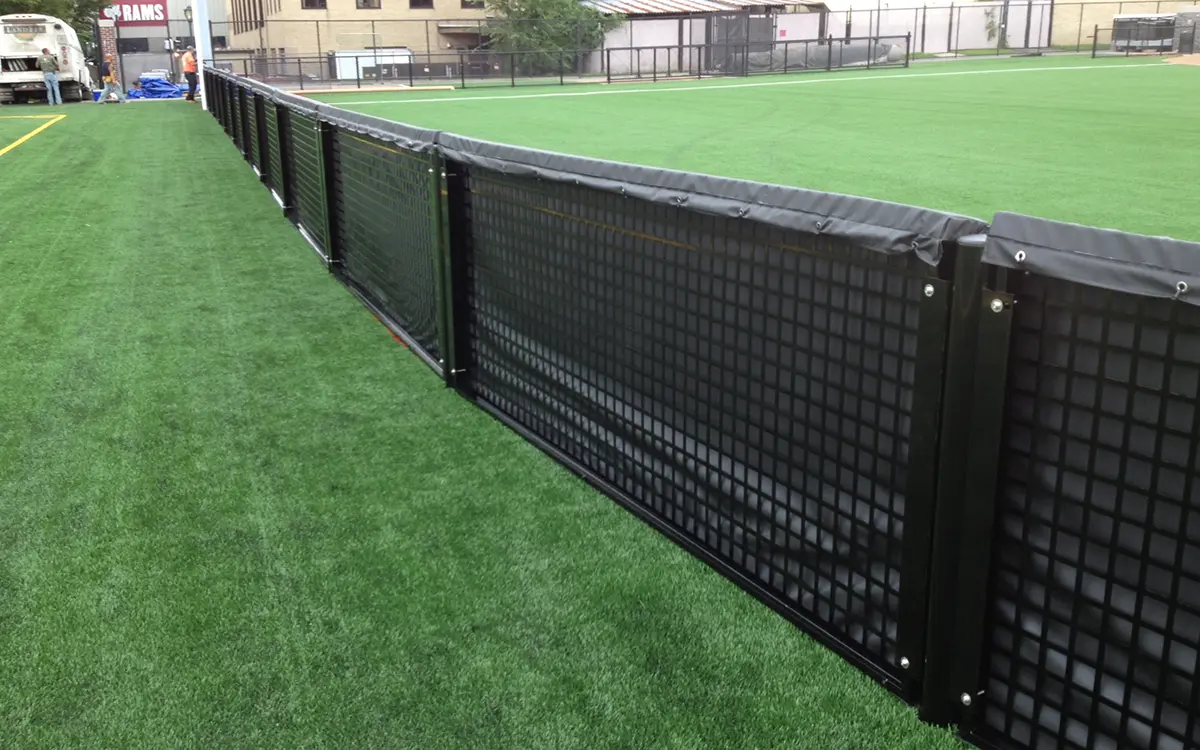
[(963, 457), (560, 67)]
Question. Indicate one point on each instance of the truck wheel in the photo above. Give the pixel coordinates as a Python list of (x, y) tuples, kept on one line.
[(71, 92)]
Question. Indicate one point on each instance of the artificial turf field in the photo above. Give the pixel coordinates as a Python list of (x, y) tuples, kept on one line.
[(1106, 142), (234, 513)]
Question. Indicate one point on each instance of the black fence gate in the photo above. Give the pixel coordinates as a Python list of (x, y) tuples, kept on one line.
[(965, 461)]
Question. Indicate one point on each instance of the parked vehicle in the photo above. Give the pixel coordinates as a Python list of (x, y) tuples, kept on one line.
[(23, 36)]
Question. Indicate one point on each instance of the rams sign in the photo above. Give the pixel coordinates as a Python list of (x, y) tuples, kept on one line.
[(138, 14)]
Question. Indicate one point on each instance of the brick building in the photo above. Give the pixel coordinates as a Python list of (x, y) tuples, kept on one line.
[(290, 29)]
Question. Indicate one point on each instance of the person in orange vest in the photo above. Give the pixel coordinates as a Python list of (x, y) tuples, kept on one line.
[(189, 72)]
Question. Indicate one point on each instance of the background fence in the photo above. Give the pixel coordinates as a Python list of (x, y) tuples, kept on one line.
[(965, 461), (620, 64), (313, 49)]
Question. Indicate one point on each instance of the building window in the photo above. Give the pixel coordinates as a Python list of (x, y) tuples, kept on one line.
[(472, 4), (312, 4), (366, 4), (420, 4), (133, 44)]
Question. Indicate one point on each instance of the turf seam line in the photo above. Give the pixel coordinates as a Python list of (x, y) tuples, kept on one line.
[(761, 84)]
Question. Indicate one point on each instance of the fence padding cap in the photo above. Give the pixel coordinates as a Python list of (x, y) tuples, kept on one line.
[(1105, 258), (885, 227), (389, 131)]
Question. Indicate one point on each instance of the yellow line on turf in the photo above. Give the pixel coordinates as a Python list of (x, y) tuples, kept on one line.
[(27, 136), (29, 117)]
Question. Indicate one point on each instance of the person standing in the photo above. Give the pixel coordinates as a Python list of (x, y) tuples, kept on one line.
[(49, 66), (108, 74), (189, 72)]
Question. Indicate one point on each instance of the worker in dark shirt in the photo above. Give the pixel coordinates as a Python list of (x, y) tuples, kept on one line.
[(108, 74), (48, 64)]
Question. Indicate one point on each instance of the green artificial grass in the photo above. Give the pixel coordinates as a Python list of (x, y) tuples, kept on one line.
[(234, 513), (1099, 145)]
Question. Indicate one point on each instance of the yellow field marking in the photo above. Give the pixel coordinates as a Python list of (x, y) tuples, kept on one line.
[(29, 117), (27, 136)]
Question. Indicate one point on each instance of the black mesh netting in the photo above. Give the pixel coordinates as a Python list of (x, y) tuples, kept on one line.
[(1096, 572), (273, 159), (386, 231), (308, 178), (750, 387)]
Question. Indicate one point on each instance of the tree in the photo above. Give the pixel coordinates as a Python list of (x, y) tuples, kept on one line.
[(78, 13), (550, 35)]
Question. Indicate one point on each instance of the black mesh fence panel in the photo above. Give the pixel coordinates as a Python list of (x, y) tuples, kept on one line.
[(231, 93), (387, 231), (272, 159), (252, 130), (1095, 615), (308, 177), (749, 388), (287, 160), (244, 130), (227, 99)]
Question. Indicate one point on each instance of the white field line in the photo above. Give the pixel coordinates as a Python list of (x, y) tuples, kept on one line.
[(761, 84)]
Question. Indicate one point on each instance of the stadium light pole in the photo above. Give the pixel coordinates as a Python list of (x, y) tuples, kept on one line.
[(203, 43)]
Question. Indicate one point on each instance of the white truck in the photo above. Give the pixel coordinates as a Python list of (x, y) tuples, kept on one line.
[(22, 38)]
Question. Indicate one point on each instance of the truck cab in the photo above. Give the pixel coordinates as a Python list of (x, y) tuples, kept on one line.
[(23, 36)]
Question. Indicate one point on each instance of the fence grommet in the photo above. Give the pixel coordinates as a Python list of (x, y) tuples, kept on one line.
[(1181, 289), (1020, 256), (929, 290)]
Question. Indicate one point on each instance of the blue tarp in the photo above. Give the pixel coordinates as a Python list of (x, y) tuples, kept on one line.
[(156, 88)]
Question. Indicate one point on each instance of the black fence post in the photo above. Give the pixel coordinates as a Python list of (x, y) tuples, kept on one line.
[(829, 60), (462, 70), (1095, 40), (329, 193), (969, 440), (950, 30), (260, 125), (608, 65), (457, 266), (1050, 27), (287, 176), (512, 69), (907, 48), (444, 293)]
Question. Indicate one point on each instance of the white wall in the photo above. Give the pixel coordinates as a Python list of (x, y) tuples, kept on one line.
[(800, 26), (661, 36)]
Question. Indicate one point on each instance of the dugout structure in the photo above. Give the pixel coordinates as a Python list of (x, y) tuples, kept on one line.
[(962, 456)]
